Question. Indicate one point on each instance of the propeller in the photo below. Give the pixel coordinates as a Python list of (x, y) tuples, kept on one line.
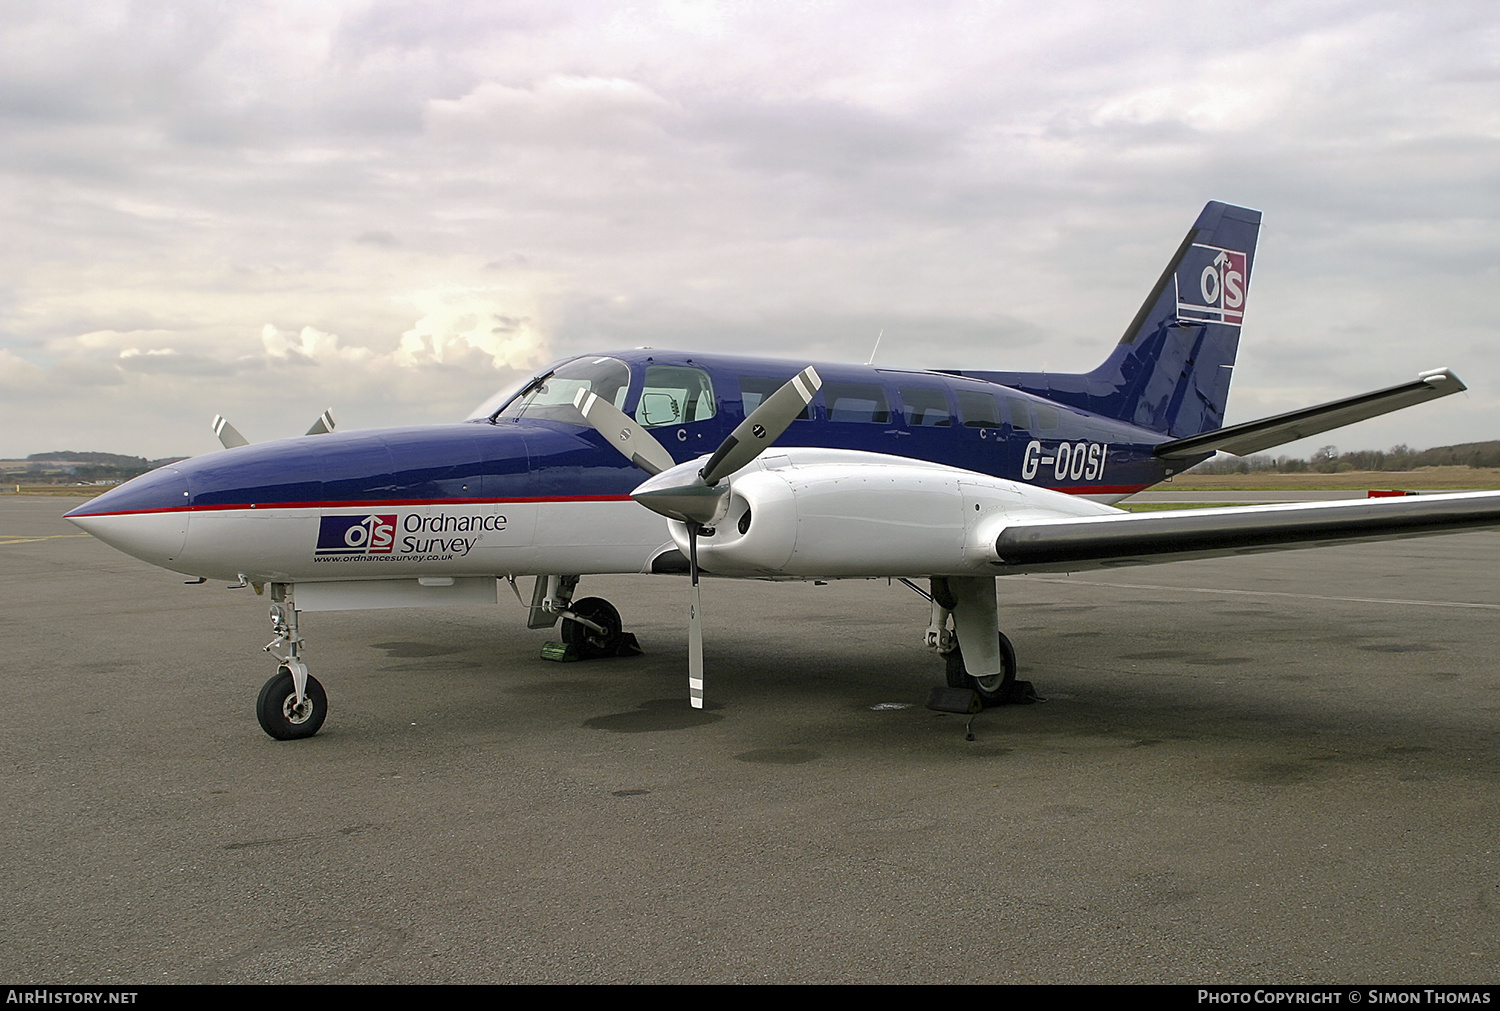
[(231, 438), (691, 494), (323, 425), (228, 434)]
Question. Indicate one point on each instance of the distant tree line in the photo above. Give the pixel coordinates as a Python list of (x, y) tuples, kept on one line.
[(1328, 460), (69, 467), (69, 456)]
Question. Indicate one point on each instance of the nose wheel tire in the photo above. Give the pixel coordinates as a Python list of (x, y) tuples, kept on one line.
[(584, 640), (993, 689), (282, 716)]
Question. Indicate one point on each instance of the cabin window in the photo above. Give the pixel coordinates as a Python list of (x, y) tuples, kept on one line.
[(551, 395), (925, 407), (979, 410), (857, 402), (1020, 414), (675, 395), (755, 389), (1047, 418)]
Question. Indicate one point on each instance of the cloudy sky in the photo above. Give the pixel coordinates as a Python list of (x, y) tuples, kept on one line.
[(266, 208)]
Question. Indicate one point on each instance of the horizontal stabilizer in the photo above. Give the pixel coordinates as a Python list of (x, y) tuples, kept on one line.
[(1141, 538), (1254, 436)]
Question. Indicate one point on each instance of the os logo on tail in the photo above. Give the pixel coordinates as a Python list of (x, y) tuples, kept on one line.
[(1211, 285), (366, 534)]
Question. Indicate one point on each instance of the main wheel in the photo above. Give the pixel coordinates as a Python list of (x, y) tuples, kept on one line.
[(993, 689), (584, 640), (281, 716)]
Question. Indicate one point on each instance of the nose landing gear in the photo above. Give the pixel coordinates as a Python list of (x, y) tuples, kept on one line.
[(292, 704)]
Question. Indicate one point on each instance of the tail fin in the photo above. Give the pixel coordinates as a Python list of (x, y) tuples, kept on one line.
[(1170, 372)]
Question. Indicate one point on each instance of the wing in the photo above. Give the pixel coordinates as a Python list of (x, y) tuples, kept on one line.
[(805, 513), (1143, 538)]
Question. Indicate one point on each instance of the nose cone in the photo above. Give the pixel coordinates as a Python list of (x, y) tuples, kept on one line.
[(146, 517)]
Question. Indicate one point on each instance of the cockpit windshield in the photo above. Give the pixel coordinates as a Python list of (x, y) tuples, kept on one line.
[(507, 393), (550, 395)]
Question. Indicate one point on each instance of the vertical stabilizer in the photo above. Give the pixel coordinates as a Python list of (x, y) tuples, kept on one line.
[(1171, 370)]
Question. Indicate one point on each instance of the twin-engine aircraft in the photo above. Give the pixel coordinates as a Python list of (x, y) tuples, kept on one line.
[(650, 461)]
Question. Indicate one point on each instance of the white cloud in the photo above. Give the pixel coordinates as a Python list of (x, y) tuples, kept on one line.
[(560, 110), (311, 345), (394, 206), (494, 323)]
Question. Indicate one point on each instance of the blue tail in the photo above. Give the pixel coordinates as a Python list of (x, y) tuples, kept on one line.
[(1170, 372)]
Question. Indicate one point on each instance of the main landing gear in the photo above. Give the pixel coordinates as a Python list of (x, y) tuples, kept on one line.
[(593, 630), (292, 704), (591, 627), (988, 666)]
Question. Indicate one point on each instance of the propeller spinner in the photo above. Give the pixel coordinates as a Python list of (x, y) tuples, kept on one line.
[(691, 494)]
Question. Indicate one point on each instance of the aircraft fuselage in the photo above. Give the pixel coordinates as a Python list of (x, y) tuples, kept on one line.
[(530, 491)]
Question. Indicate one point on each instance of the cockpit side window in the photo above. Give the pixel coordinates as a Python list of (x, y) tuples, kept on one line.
[(675, 395), (550, 396)]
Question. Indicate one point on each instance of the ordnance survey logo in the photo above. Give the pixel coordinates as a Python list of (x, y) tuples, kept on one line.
[(1211, 285), (405, 537), (357, 535)]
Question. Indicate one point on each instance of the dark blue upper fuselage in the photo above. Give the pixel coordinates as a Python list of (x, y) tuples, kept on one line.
[(965, 423)]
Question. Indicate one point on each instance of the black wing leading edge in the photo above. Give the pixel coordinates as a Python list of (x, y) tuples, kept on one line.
[(1074, 543)]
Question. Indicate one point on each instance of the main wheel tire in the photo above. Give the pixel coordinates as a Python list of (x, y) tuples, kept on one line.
[(994, 689), (279, 714), (585, 641)]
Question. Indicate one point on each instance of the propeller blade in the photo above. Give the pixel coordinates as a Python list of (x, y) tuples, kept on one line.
[(624, 433), (695, 625), (228, 434), (323, 425), (763, 427)]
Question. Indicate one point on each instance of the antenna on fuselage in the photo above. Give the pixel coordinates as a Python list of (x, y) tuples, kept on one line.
[(876, 348)]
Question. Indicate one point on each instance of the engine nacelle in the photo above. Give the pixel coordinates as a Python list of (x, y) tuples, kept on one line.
[(829, 513)]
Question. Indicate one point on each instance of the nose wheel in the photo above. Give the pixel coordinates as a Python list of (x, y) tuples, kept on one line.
[(283, 715)]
